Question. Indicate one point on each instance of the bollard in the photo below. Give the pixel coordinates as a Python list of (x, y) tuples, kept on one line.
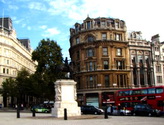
[(18, 112), (65, 114), (33, 113), (106, 114)]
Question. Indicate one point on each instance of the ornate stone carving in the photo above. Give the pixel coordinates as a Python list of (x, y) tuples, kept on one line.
[(58, 93)]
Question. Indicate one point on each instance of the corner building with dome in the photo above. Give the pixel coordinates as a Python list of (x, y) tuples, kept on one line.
[(100, 59)]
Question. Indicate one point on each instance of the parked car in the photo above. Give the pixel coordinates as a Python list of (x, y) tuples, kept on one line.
[(48, 104), (89, 109), (114, 111), (40, 109), (145, 110)]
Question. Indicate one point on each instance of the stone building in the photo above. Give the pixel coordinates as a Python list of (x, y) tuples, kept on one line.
[(158, 60), (14, 53), (100, 59), (142, 71)]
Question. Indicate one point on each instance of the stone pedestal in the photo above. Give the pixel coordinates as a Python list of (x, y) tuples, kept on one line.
[(65, 98)]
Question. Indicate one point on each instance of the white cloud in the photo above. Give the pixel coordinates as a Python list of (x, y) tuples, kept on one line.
[(78, 10), (43, 27), (13, 7), (143, 15), (29, 28), (37, 6), (23, 25), (60, 6), (51, 32), (3, 1), (17, 21)]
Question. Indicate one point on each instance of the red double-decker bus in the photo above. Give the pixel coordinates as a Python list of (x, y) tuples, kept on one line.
[(154, 96)]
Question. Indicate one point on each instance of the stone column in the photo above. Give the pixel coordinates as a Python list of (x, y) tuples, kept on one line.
[(145, 77), (138, 76)]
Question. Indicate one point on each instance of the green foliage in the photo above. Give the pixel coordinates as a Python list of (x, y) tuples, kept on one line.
[(49, 57), (9, 88), (23, 82)]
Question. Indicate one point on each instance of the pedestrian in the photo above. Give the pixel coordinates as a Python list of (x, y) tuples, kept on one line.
[(119, 108), (111, 108)]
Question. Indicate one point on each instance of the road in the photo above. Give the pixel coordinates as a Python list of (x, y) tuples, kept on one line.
[(10, 118)]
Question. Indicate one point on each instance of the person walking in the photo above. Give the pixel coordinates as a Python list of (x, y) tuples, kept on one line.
[(119, 108)]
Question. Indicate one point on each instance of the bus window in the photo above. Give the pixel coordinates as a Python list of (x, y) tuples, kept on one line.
[(151, 91), (127, 92), (120, 93), (143, 91), (136, 92), (125, 104), (130, 92), (159, 90)]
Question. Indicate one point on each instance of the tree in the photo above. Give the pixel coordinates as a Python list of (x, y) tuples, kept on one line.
[(23, 85), (49, 57), (9, 89)]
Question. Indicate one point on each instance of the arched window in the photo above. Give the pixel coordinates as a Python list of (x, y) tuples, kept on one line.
[(90, 38)]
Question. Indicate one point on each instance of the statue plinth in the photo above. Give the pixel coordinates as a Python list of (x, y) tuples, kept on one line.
[(65, 98)]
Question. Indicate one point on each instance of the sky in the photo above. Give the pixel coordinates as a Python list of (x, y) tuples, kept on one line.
[(42, 19)]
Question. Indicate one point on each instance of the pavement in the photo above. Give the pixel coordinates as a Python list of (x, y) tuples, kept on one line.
[(10, 118)]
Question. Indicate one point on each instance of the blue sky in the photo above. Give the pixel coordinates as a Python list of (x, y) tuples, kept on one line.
[(38, 19)]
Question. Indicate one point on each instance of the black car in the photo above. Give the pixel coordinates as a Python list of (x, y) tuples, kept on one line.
[(89, 109), (145, 110)]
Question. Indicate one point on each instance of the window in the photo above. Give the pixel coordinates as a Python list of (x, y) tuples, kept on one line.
[(158, 68), (151, 91), (106, 64), (120, 64), (136, 92), (90, 66), (90, 52), (77, 40), (121, 80), (78, 55), (159, 90), (106, 80), (7, 61), (104, 36), (3, 70), (159, 79), (6, 51), (88, 24), (103, 23), (157, 57), (143, 91), (78, 67), (7, 71), (90, 38), (118, 37), (117, 24), (76, 28), (119, 52), (156, 48), (78, 83), (91, 81), (105, 51)]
